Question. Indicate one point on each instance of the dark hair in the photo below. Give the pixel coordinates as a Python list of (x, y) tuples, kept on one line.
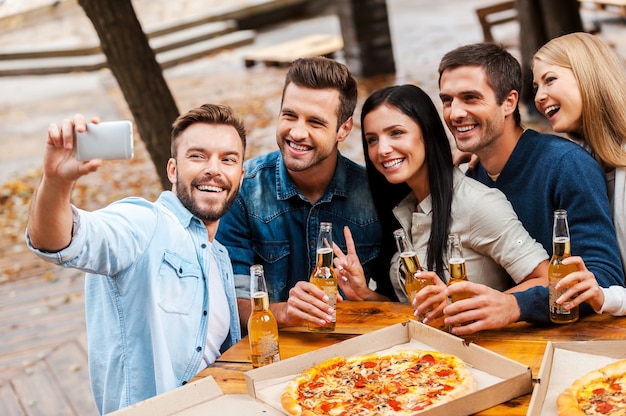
[(416, 104), (210, 114), (504, 72), (324, 73)]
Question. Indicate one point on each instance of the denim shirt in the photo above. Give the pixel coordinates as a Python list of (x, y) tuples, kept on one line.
[(273, 224), (146, 296)]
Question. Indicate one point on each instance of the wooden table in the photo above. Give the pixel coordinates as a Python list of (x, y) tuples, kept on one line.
[(522, 342)]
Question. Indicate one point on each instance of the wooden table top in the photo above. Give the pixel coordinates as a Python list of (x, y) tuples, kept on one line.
[(521, 342)]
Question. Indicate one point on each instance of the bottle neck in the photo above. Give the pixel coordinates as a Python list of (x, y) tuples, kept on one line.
[(260, 301), (457, 269), (324, 257), (561, 247)]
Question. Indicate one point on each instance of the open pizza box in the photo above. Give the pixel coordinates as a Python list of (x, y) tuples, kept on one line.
[(499, 379), (199, 398), (565, 362)]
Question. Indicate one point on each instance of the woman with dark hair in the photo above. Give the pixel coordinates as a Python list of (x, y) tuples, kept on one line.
[(416, 187)]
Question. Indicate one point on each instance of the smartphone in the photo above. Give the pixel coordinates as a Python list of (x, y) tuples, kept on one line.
[(110, 140)]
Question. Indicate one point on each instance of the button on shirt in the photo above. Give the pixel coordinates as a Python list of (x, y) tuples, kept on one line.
[(273, 224), (146, 296)]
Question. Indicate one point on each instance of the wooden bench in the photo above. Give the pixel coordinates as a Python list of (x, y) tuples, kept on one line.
[(287, 52), (614, 6), (495, 14), (172, 46)]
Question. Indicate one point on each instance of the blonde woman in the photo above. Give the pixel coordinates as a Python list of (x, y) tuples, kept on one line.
[(581, 89)]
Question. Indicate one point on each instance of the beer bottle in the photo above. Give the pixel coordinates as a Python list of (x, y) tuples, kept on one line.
[(262, 326), (557, 270), (324, 275), (456, 264), (410, 266)]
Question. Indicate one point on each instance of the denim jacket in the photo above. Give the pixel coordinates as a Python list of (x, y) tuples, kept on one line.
[(273, 224), (146, 296)]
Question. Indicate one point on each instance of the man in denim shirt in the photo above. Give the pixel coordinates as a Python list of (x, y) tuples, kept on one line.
[(286, 194), (159, 290)]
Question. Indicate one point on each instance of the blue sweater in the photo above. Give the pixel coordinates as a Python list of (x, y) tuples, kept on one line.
[(545, 173)]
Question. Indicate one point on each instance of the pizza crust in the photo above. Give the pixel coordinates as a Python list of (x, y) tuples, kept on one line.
[(569, 402)]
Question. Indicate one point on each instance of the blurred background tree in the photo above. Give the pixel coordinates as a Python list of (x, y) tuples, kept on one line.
[(133, 64), (540, 21)]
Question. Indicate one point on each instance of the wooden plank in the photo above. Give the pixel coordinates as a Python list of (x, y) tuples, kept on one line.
[(166, 58), (39, 392), (9, 403), (612, 6), (202, 49), (165, 37), (41, 336), (495, 14), (37, 288), (285, 53), (37, 315), (68, 363), (164, 41), (620, 3), (229, 376), (192, 35)]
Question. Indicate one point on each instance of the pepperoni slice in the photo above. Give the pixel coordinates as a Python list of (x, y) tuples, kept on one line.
[(428, 359), (604, 407)]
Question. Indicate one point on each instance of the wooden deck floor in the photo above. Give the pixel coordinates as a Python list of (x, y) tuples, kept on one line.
[(43, 351)]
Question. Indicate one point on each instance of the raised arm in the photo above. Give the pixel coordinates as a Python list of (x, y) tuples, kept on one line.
[(50, 215), (350, 273)]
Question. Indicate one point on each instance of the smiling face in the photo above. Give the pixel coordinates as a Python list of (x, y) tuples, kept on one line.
[(558, 97), (470, 108), (208, 169), (395, 146), (307, 133)]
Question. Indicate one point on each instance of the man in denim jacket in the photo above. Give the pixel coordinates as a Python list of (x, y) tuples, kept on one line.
[(286, 194), (159, 289)]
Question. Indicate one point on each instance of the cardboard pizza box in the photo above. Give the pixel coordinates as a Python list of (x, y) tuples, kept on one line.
[(499, 378), (565, 362), (199, 398)]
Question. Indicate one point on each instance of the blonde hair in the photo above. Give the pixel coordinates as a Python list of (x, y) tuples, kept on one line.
[(601, 80)]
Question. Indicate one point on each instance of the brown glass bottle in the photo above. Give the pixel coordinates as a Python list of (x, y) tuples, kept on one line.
[(410, 265), (262, 325), (456, 264), (324, 275), (557, 270)]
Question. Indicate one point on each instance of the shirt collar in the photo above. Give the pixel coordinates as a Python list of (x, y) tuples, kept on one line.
[(285, 188), (407, 206), (170, 201)]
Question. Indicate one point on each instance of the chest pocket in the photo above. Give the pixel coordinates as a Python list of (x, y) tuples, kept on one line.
[(275, 258), (179, 284)]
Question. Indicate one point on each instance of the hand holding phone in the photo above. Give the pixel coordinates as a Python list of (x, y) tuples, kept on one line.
[(110, 140)]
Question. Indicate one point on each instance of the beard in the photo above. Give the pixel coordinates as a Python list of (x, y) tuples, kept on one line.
[(211, 213), (300, 164)]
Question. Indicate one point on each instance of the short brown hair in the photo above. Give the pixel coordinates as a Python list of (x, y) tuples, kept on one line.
[(323, 73), (210, 114), (504, 72)]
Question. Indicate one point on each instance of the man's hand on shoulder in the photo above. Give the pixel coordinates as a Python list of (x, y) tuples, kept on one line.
[(459, 157)]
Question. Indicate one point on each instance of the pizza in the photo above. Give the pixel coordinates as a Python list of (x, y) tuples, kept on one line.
[(599, 392), (397, 383)]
